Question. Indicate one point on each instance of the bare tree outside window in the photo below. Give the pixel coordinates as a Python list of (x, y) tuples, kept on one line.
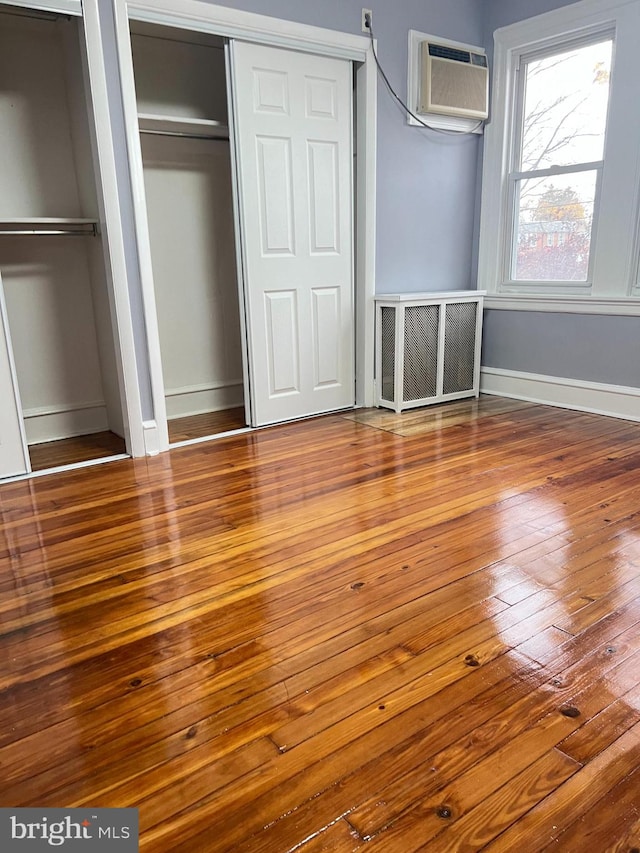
[(561, 146)]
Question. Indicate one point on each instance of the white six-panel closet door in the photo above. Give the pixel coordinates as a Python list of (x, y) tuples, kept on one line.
[(14, 454), (294, 139)]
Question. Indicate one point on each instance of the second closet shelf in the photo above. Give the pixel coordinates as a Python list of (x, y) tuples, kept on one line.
[(48, 226), (181, 126)]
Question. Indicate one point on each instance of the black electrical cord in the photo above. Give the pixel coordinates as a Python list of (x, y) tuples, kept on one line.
[(402, 103)]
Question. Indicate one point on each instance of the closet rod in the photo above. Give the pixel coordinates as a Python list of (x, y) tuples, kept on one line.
[(185, 135)]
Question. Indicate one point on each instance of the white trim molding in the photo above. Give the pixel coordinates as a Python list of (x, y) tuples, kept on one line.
[(50, 423), (112, 228), (72, 466), (152, 438), (62, 7), (365, 226), (557, 304), (197, 399), (250, 26), (617, 401)]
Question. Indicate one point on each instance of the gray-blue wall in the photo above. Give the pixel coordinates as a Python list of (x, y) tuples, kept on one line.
[(576, 346), (501, 13), (586, 346)]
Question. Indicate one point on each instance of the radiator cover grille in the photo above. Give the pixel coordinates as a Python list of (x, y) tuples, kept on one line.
[(420, 351), (388, 326), (459, 347)]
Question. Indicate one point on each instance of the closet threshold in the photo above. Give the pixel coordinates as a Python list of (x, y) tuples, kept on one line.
[(163, 125), (62, 469), (49, 226), (187, 442)]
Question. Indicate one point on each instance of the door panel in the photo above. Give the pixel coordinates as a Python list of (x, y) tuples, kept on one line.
[(276, 195), (326, 350), (293, 132), (324, 210), (14, 454), (281, 335)]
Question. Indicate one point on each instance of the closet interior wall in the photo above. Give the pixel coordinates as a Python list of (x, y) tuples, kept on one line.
[(55, 284), (180, 82)]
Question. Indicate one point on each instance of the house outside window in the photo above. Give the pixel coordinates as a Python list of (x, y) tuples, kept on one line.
[(561, 180)]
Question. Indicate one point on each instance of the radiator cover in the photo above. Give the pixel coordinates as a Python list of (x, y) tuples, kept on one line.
[(427, 348)]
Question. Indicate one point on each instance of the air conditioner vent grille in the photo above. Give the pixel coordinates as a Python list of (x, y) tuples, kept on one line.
[(459, 87), (449, 53)]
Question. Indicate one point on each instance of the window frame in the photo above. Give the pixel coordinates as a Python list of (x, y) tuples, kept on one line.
[(516, 175), (614, 266)]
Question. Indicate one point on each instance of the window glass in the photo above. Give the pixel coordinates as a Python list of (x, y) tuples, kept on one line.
[(565, 107), (553, 229)]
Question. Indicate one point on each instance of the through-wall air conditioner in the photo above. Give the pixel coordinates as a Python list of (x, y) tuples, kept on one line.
[(453, 81)]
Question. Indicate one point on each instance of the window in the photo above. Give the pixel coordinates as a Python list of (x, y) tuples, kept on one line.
[(558, 159), (561, 178)]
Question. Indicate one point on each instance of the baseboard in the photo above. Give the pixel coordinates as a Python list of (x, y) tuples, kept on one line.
[(196, 399), (151, 435), (51, 423), (617, 401)]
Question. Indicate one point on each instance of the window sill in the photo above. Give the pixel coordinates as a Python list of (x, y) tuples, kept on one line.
[(558, 304)]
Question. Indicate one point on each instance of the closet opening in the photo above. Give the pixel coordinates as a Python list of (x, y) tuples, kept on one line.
[(58, 368), (181, 95)]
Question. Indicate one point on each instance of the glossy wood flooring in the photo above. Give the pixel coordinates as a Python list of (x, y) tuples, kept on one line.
[(326, 636), (70, 451), (206, 424)]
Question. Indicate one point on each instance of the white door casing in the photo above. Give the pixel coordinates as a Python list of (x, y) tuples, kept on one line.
[(293, 129), (14, 453)]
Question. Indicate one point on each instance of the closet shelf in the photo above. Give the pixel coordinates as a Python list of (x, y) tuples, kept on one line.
[(49, 226), (164, 125)]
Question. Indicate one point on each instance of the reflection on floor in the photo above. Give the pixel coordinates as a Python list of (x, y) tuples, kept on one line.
[(427, 419), (80, 448), (208, 423)]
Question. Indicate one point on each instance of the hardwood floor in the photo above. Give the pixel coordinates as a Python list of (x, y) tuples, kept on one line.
[(328, 636), (70, 451), (209, 423)]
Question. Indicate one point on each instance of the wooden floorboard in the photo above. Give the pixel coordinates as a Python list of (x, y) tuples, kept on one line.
[(206, 424), (71, 451), (415, 632)]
